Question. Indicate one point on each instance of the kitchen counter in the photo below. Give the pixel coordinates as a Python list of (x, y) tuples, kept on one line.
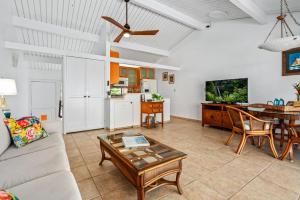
[(124, 112)]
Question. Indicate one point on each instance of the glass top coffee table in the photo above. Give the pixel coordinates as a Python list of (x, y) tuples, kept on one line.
[(144, 167)]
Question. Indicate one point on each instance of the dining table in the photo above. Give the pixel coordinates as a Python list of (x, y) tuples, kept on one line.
[(286, 119)]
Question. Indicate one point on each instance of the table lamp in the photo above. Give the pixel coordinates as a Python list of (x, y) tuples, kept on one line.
[(7, 87)]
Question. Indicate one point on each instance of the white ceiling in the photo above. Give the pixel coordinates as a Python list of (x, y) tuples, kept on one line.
[(273, 6), (85, 16), (199, 9)]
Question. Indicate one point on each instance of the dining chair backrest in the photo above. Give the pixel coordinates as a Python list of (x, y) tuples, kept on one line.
[(236, 117)]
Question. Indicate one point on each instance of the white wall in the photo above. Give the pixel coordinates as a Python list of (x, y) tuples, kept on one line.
[(20, 70), (228, 50), (6, 65)]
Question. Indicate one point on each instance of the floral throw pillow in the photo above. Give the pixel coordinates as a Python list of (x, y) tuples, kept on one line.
[(25, 130), (5, 195)]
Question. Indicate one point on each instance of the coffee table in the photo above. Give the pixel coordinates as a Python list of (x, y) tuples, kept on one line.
[(144, 167)]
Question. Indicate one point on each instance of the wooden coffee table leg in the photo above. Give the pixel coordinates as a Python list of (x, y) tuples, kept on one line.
[(141, 194), (178, 178), (178, 183), (102, 155)]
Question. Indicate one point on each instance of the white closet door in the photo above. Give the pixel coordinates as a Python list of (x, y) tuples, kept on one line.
[(123, 114), (95, 78), (75, 116), (95, 113), (75, 77)]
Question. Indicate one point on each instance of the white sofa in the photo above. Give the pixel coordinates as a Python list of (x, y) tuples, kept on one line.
[(39, 170)]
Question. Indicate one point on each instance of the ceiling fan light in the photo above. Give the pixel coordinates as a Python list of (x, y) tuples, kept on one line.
[(281, 44), (127, 35)]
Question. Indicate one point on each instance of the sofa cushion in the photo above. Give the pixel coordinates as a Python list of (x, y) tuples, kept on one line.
[(6, 195), (45, 143), (58, 186), (4, 135), (25, 168), (25, 130)]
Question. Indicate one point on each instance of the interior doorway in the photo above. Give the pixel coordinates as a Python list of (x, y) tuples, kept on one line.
[(45, 102), (45, 98)]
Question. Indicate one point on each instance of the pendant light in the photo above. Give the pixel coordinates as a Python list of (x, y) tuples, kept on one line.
[(287, 40)]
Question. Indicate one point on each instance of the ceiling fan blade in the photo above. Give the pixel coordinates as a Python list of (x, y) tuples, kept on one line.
[(114, 22), (147, 32), (118, 39)]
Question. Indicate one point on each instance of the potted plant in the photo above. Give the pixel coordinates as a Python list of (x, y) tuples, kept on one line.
[(297, 87), (157, 97)]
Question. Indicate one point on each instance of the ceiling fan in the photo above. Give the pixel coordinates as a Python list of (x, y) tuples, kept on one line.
[(126, 32)]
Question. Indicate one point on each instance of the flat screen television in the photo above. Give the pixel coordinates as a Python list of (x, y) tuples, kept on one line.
[(227, 91)]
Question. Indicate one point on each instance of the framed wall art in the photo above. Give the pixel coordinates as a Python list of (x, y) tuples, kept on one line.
[(291, 62)]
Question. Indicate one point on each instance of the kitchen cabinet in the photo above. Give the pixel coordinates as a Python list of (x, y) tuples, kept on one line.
[(133, 75), (114, 68), (147, 73), (83, 94), (126, 112), (123, 112)]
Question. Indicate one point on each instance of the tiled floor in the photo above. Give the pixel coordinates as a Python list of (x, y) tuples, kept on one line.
[(211, 171)]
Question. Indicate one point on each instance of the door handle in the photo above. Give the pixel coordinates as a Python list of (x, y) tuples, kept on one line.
[(84, 96), (88, 96)]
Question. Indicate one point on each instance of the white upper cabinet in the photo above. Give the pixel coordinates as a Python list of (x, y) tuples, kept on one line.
[(75, 77)]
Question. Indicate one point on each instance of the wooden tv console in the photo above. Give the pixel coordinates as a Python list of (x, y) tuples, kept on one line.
[(216, 115)]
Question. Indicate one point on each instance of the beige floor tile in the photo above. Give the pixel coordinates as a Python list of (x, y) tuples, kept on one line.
[(92, 157), (97, 198), (128, 192), (81, 173), (200, 191), (89, 149), (230, 178), (121, 194), (73, 152), (173, 196), (211, 171), (110, 181), (260, 189), (162, 192), (284, 176), (88, 190), (76, 161), (96, 170)]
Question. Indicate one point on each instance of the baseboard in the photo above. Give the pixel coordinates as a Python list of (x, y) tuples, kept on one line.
[(185, 118)]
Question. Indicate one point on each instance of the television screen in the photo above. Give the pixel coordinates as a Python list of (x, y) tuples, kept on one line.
[(227, 91)]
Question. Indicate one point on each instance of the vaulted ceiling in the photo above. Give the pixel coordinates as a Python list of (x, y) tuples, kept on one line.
[(85, 16)]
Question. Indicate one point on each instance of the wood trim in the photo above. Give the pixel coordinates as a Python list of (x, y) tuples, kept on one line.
[(185, 118)]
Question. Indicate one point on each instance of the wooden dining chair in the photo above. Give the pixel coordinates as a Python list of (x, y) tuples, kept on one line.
[(294, 139), (284, 127), (249, 127)]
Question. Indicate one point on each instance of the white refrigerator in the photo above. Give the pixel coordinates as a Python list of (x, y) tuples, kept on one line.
[(149, 86)]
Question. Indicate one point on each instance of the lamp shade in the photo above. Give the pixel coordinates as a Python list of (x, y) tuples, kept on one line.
[(8, 87), (281, 44)]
